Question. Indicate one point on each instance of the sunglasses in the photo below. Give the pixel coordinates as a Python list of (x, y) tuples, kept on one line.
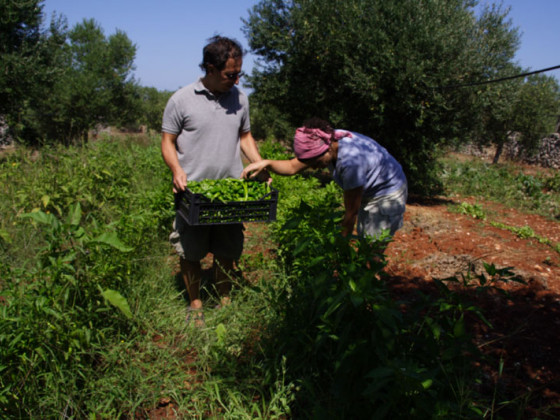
[(235, 76)]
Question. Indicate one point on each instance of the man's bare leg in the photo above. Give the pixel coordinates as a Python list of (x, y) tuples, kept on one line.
[(191, 272), (223, 274)]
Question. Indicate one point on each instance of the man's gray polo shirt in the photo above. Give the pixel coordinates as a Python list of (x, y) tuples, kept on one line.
[(208, 129)]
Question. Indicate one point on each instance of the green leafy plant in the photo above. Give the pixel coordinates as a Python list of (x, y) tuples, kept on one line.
[(525, 232), (500, 183), (59, 313), (474, 210), (230, 189), (348, 344), (313, 331), (552, 183), (489, 279), (76, 223)]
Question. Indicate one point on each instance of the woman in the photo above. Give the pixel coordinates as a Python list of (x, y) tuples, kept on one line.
[(374, 184)]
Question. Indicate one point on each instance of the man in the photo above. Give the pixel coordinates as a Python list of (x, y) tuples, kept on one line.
[(374, 184), (205, 128)]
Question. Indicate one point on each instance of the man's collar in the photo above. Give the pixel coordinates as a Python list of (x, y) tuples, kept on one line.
[(201, 89)]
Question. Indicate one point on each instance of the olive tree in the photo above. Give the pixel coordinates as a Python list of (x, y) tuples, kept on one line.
[(536, 110), (153, 103), (378, 67), (526, 108)]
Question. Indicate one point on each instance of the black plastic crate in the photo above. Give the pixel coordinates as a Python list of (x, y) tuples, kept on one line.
[(196, 209)]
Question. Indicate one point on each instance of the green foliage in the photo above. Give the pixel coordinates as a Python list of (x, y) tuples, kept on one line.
[(527, 107), (29, 61), (523, 105), (526, 232), (118, 301), (552, 183), (314, 332), (153, 103), (68, 277), (57, 84), (489, 279), (267, 123), (96, 87), (474, 210), (373, 66), (503, 184), (350, 348), (230, 189), (535, 113), (57, 307), (273, 150)]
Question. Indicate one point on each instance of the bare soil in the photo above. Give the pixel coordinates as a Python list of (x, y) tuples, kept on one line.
[(436, 243)]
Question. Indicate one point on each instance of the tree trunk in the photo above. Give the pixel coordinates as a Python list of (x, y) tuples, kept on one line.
[(499, 150)]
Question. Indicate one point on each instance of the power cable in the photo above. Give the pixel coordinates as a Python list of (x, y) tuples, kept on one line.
[(497, 80)]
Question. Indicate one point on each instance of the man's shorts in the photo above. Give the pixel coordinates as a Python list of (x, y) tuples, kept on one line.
[(382, 213), (193, 243)]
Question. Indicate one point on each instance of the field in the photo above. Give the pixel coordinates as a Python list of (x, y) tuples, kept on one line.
[(436, 326)]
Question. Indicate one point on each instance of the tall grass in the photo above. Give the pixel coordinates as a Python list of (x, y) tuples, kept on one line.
[(92, 313), (80, 228)]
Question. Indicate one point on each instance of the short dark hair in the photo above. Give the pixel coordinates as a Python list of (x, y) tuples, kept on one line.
[(316, 122), (218, 50)]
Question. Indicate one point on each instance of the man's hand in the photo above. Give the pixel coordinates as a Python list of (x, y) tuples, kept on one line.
[(179, 180), (169, 153)]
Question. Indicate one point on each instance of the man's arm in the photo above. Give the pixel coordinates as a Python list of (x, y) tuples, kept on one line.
[(352, 204), (249, 147), (169, 153)]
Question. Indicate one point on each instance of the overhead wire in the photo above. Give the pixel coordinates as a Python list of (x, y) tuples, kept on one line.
[(501, 79)]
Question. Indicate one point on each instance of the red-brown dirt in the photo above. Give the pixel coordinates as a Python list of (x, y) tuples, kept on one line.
[(436, 243)]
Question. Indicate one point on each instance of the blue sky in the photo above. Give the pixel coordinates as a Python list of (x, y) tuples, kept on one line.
[(169, 34)]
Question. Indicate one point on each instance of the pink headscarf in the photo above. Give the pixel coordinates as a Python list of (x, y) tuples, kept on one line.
[(313, 142)]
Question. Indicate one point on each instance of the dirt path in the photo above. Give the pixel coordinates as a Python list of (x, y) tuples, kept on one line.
[(436, 243)]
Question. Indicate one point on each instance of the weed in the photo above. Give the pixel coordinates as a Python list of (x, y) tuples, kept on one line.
[(526, 232), (474, 210)]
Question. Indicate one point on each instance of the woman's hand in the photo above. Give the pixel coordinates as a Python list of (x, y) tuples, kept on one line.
[(352, 203), (257, 169)]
